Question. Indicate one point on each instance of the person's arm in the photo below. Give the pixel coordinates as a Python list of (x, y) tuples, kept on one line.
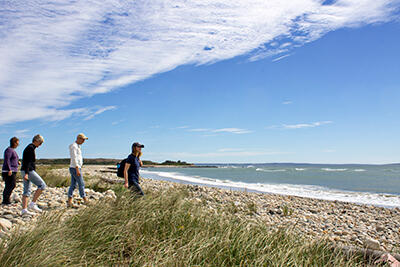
[(138, 157), (127, 166), (27, 158)]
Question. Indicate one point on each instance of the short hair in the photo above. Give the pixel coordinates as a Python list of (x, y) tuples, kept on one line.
[(38, 138), (13, 141)]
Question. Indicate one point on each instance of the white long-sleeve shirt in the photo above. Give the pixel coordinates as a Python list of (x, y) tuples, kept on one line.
[(75, 153)]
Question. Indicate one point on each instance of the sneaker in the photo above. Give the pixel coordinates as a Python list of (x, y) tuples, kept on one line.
[(27, 213), (34, 207)]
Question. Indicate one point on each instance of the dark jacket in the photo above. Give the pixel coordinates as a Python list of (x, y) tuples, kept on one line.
[(10, 160), (133, 171), (29, 159)]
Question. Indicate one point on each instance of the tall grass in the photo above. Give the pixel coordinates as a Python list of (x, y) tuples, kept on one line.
[(163, 229), (53, 179)]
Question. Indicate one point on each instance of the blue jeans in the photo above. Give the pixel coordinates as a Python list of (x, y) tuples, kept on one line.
[(74, 180), (34, 178), (135, 187)]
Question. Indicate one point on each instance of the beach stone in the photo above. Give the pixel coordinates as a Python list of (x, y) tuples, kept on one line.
[(372, 244), (379, 228), (5, 224), (2, 234), (110, 194), (8, 216), (16, 198)]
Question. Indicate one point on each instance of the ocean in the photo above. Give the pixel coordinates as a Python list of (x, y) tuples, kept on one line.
[(363, 184)]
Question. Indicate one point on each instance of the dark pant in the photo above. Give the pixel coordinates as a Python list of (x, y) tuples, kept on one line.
[(9, 187), (135, 187)]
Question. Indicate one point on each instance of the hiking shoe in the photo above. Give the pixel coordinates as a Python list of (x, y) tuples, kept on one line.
[(27, 213), (34, 207)]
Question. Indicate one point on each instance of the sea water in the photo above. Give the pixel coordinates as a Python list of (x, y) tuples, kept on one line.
[(363, 184)]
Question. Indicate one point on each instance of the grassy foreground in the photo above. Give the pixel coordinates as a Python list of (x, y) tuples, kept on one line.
[(161, 229), (56, 180)]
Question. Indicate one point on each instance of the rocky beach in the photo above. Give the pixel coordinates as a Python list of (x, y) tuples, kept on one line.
[(340, 222)]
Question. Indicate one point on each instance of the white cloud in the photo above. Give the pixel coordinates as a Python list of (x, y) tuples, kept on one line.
[(53, 53), (232, 130), (287, 102), (92, 114), (22, 133), (305, 125), (117, 122), (213, 132), (229, 150), (198, 130), (279, 58)]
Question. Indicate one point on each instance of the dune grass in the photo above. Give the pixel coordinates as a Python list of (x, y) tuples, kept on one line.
[(55, 180), (162, 229)]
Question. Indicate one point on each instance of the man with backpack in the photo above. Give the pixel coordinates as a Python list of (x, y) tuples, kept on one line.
[(131, 167)]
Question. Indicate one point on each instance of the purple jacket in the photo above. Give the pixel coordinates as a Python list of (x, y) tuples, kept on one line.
[(10, 160)]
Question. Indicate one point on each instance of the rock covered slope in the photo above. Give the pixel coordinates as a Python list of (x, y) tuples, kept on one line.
[(341, 222)]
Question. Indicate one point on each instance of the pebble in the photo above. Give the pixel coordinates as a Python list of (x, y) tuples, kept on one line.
[(372, 244), (5, 224)]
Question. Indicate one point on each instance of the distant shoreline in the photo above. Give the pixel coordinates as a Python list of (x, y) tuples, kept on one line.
[(183, 164)]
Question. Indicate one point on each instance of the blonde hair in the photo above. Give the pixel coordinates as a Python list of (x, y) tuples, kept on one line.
[(137, 153), (38, 138)]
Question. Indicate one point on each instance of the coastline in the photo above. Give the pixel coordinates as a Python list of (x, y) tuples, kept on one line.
[(341, 222)]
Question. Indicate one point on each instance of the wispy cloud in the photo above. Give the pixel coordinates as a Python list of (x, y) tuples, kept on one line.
[(232, 130), (300, 125), (213, 132), (117, 122), (306, 125), (198, 130), (279, 58), (22, 133), (92, 114), (287, 102), (56, 52), (229, 150)]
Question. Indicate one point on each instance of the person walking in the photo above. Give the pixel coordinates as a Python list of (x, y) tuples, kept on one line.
[(10, 169), (132, 167), (29, 174), (75, 169)]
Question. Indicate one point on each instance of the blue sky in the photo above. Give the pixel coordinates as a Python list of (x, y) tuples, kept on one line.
[(323, 87)]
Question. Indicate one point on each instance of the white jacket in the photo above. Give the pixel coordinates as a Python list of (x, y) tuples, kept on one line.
[(75, 153)]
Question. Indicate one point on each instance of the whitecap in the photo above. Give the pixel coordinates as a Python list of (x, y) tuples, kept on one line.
[(310, 191), (269, 170), (333, 170)]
